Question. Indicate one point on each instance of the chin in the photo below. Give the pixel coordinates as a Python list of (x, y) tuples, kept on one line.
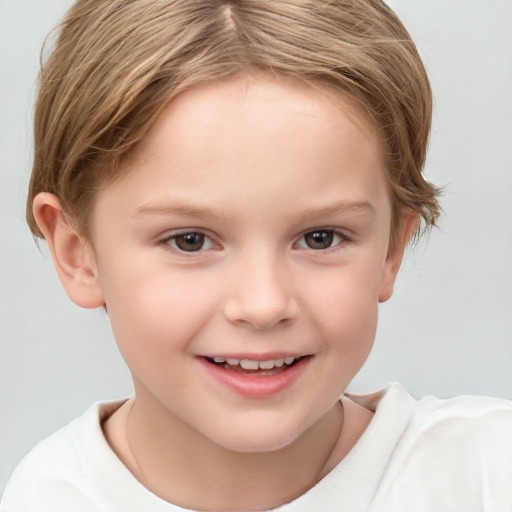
[(252, 446), (256, 439)]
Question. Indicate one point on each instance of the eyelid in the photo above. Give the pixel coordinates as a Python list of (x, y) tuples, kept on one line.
[(344, 237), (169, 236)]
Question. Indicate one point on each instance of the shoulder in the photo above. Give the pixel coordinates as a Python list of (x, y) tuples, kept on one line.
[(424, 455), (484, 422), (429, 411), (455, 451), (54, 475), (468, 423)]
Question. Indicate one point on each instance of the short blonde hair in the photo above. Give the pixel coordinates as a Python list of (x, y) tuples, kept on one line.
[(118, 63)]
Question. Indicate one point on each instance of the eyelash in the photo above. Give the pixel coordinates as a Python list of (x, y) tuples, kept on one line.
[(327, 235), (172, 241)]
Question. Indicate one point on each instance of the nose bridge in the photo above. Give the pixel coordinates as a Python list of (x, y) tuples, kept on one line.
[(261, 293)]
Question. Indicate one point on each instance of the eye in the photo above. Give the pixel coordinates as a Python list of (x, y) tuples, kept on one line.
[(189, 242), (320, 239)]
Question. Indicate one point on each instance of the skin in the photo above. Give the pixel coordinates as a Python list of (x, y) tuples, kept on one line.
[(254, 164)]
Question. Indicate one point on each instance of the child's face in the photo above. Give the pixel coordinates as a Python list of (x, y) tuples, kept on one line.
[(252, 224)]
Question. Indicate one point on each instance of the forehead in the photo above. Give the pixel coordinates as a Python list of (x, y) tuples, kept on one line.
[(252, 140), (249, 99)]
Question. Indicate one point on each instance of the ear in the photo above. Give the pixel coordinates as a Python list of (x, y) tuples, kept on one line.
[(395, 255), (73, 256)]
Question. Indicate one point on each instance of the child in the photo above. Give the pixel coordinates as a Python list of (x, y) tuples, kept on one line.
[(235, 182)]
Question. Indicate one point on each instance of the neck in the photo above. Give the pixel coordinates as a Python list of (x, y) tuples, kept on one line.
[(171, 459)]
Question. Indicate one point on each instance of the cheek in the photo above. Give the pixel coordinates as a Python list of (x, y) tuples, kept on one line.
[(154, 313), (343, 314), (344, 306)]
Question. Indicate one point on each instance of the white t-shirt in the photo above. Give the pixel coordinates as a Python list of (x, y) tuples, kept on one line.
[(429, 455)]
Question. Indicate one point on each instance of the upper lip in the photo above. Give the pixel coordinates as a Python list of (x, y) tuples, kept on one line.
[(268, 356)]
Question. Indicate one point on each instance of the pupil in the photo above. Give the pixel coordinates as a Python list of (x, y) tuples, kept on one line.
[(319, 239), (190, 241)]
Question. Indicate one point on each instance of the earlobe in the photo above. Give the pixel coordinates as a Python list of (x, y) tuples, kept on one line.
[(72, 254), (395, 255)]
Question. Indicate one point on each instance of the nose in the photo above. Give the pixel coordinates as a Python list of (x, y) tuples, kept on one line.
[(261, 294)]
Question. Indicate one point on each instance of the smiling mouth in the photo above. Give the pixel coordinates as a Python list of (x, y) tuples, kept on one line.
[(253, 367)]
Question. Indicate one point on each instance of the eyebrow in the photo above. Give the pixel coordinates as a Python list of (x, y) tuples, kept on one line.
[(203, 213), (180, 210), (342, 208)]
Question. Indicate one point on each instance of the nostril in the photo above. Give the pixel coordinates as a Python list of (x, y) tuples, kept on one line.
[(259, 319)]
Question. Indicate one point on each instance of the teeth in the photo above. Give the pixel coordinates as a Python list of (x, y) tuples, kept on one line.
[(266, 365), (247, 364), (250, 364)]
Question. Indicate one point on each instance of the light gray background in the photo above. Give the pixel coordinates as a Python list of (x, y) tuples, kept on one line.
[(448, 329)]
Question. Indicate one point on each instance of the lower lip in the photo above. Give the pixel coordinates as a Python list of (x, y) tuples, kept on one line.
[(257, 386)]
